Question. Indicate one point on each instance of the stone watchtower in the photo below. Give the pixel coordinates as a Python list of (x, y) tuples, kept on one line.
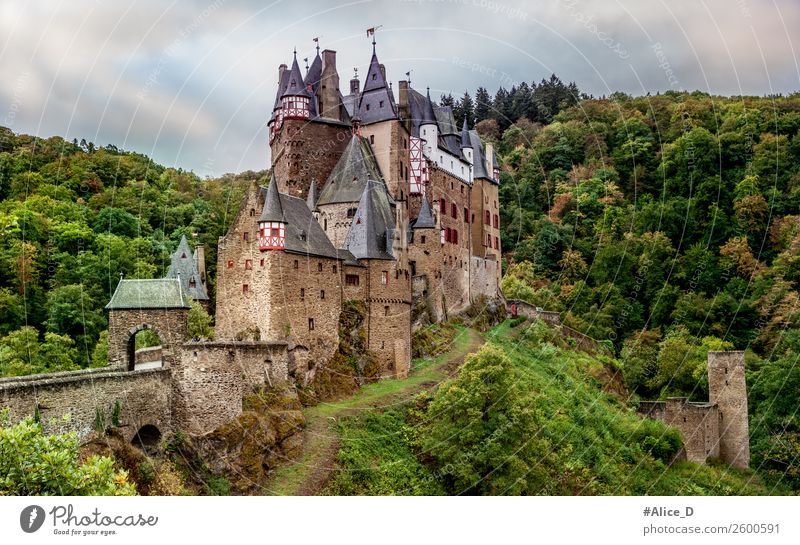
[(726, 388)]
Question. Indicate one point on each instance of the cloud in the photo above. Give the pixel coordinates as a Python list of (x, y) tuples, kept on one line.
[(192, 83)]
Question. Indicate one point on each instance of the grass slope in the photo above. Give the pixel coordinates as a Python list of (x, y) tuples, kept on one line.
[(586, 441)]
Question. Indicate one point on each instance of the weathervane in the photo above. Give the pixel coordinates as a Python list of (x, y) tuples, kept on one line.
[(371, 32)]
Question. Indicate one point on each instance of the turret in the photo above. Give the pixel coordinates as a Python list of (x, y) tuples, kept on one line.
[(296, 98), (466, 142), (428, 127), (272, 223)]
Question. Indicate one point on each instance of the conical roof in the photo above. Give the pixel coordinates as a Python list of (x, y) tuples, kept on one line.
[(314, 73), (273, 210), (466, 141), (295, 86), (425, 218), (183, 266), (428, 116)]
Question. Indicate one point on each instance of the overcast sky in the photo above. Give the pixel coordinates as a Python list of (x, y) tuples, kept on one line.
[(191, 83)]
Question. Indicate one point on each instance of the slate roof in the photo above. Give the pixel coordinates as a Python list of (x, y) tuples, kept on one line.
[(295, 86), (373, 224), (420, 110), (303, 233), (183, 265), (425, 218), (348, 178), (148, 294), (314, 73), (377, 101), (478, 157), (273, 207), (466, 141)]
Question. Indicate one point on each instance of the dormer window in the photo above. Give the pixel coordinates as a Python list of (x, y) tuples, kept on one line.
[(381, 104), (374, 76), (367, 107)]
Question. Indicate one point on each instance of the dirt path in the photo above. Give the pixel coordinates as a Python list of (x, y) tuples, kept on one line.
[(317, 464)]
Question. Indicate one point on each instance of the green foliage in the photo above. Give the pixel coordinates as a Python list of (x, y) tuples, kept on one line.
[(200, 324), (115, 414), (33, 463), (522, 416), (72, 219)]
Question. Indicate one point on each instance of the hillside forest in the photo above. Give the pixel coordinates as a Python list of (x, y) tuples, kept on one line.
[(664, 225)]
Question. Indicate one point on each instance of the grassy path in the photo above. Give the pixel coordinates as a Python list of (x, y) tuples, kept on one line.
[(312, 471)]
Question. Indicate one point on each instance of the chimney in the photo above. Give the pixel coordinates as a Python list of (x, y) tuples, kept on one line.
[(200, 256), (354, 86), (328, 94), (489, 158), (405, 113)]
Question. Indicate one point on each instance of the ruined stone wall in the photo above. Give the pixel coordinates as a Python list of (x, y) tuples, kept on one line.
[(169, 324), (483, 277), (698, 424), (307, 150), (389, 317), (531, 311), (144, 398), (242, 292), (726, 388), (212, 377)]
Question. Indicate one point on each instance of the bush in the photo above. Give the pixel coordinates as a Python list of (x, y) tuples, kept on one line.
[(658, 440), (33, 463)]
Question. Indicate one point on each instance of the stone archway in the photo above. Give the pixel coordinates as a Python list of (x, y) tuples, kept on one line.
[(139, 359), (147, 438)]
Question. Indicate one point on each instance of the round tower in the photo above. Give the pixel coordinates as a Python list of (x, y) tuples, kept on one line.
[(429, 128), (296, 98)]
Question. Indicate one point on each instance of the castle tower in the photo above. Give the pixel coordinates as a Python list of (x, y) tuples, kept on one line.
[(296, 98), (428, 127), (272, 223), (727, 388), (183, 266)]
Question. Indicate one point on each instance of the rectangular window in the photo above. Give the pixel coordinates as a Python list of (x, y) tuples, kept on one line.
[(371, 136), (245, 288), (296, 264), (385, 311), (302, 294), (351, 212), (488, 218), (489, 240), (454, 210), (230, 263), (443, 206), (455, 236), (262, 261), (351, 279), (311, 324), (496, 220), (334, 268), (246, 236), (319, 266), (385, 278), (248, 264), (322, 294), (447, 235), (466, 214), (422, 239), (276, 232), (496, 243)]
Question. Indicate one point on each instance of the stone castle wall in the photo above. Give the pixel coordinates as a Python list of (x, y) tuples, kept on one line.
[(145, 397), (212, 377), (307, 150), (483, 277), (168, 324), (389, 317)]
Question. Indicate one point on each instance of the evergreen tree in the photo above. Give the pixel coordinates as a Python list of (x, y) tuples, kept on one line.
[(465, 106), (483, 105), (447, 100)]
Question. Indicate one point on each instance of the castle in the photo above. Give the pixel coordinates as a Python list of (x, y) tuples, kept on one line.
[(372, 199)]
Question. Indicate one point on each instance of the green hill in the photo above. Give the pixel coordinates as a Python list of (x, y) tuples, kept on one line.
[(525, 415)]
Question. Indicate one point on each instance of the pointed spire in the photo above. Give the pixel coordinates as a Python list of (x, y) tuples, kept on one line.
[(465, 139), (311, 200), (428, 116), (295, 86), (425, 218), (273, 209), (366, 238)]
